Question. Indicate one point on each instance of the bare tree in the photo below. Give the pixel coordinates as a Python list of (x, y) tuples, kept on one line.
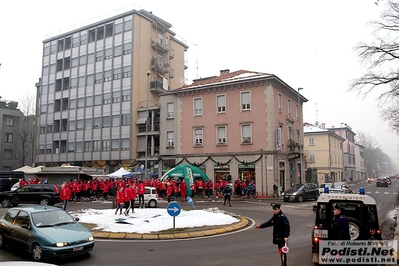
[(381, 56), (25, 139)]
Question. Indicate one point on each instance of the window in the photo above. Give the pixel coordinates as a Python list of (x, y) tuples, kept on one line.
[(289, 107), (106, 145), (75, 41), (98, 99), (96, 145), (99, 56), (116, 97), (87, 146), (197, 106), (246, 134), (92, 35), (68, 41), (42, 129), (171, 110), (50, 128), (74, 83), (71, 146), (245, 101), (80, 124), (108, 53), (72, 104), (127, 71), (97, 122), (82, 60), (117, 73), (79, 146), (115, 145), (109, 28), (99, 77), (125, 144), (90, 58), (128, 25), (118, 28), (312, 157), (9, 121), (8, 138), (311, 141), (89, 80), (118, 50), (108, 75), (170, 139), (106, 121), (72, 125), (280, 102), (198, 136), (116, 120), (221, 135), (88, 123), (221, 103), (125, 119), (107, 98), (83, 39), (89, 101), (7, 154), (127, 48), (100, 33), (81, 103), (125, 95)]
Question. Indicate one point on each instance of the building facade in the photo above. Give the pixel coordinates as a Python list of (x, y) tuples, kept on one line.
[(10, 144), (99, 89), (241, 124), (324, 153), (348, 148), (360, 165)]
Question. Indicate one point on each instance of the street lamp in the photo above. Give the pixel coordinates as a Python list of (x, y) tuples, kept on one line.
[(146, 125), (300, 138)]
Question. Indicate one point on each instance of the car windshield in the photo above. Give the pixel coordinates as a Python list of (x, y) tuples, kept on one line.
[(52, 218), (296, 187)]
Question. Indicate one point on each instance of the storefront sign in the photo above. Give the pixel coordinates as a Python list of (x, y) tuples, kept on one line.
[(222, 167), (246, 166)]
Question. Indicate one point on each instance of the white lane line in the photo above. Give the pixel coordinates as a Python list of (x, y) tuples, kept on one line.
[(386, 193)]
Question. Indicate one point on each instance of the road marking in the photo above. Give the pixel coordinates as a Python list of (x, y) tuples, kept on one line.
[(395, 193), (377, 192), (386, 193), (368, 192)]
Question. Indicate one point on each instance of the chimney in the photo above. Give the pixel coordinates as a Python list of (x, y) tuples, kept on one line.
[(224, 72)]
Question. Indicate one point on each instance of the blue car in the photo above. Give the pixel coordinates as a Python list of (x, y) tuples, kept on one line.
[(45, 232)]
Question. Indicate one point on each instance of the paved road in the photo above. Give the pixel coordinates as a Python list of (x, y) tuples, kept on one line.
[(250, 246)]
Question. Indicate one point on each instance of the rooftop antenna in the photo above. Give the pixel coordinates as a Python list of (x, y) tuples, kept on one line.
[(317, 115)]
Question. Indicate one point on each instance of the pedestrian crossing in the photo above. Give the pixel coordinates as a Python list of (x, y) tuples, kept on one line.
[(379, 192)]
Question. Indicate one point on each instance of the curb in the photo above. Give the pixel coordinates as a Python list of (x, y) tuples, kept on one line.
[(181, 235)]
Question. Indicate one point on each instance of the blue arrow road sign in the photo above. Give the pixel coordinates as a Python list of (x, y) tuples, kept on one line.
[(190, 200), (173, 209)]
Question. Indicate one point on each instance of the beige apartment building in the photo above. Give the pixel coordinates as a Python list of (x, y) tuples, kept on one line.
[(324, 153), (242, 124)]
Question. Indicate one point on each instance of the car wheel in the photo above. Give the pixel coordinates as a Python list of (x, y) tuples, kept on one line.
[(6, 203), (152, 204), (44, 202), (354, 228), (300, 198), (37, 252)]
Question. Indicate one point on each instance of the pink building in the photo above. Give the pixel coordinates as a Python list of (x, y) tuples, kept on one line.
[(242, 124)]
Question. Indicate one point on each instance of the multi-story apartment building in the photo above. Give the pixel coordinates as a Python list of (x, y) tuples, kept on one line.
[(243, 124), (346, 132), (323, 151), (360, 165), (10, 117), (97, 84)]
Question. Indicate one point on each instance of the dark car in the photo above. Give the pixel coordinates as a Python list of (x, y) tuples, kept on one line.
[(382, 182), (301, 192), (45, 232), (42, 194)]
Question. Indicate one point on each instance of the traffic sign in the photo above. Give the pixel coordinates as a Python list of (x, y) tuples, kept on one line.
[(173, 209), (190, 200)]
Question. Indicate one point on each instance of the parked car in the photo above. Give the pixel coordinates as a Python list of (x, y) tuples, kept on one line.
[(341, 191), (43, 194), (382, 182), (301, 192), (44, 232)]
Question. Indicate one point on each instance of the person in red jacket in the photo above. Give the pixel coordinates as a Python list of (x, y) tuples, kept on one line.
[(169, 192), (65, 195), (77, 189), (119, 201), (140, 191), (127, 197), (183, 189)]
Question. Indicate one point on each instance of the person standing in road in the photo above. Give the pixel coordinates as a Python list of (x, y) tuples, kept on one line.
[(65, 195), (119, 201), (141, 191), (227, 194), (281, 227), (275, 189), (340, 225)]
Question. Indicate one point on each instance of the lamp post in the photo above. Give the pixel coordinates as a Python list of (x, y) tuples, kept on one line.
[(343, 176), (146, 125), (300, 137)]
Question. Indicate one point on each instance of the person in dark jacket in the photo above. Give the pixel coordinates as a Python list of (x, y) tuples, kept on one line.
[(227, 194), (340, 225), (281, 226)]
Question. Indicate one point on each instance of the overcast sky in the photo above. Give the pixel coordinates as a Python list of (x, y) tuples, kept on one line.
[(308, 44)]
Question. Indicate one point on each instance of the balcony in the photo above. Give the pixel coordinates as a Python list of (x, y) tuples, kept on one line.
[(159, 45), (157, 87), (158, 65)]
